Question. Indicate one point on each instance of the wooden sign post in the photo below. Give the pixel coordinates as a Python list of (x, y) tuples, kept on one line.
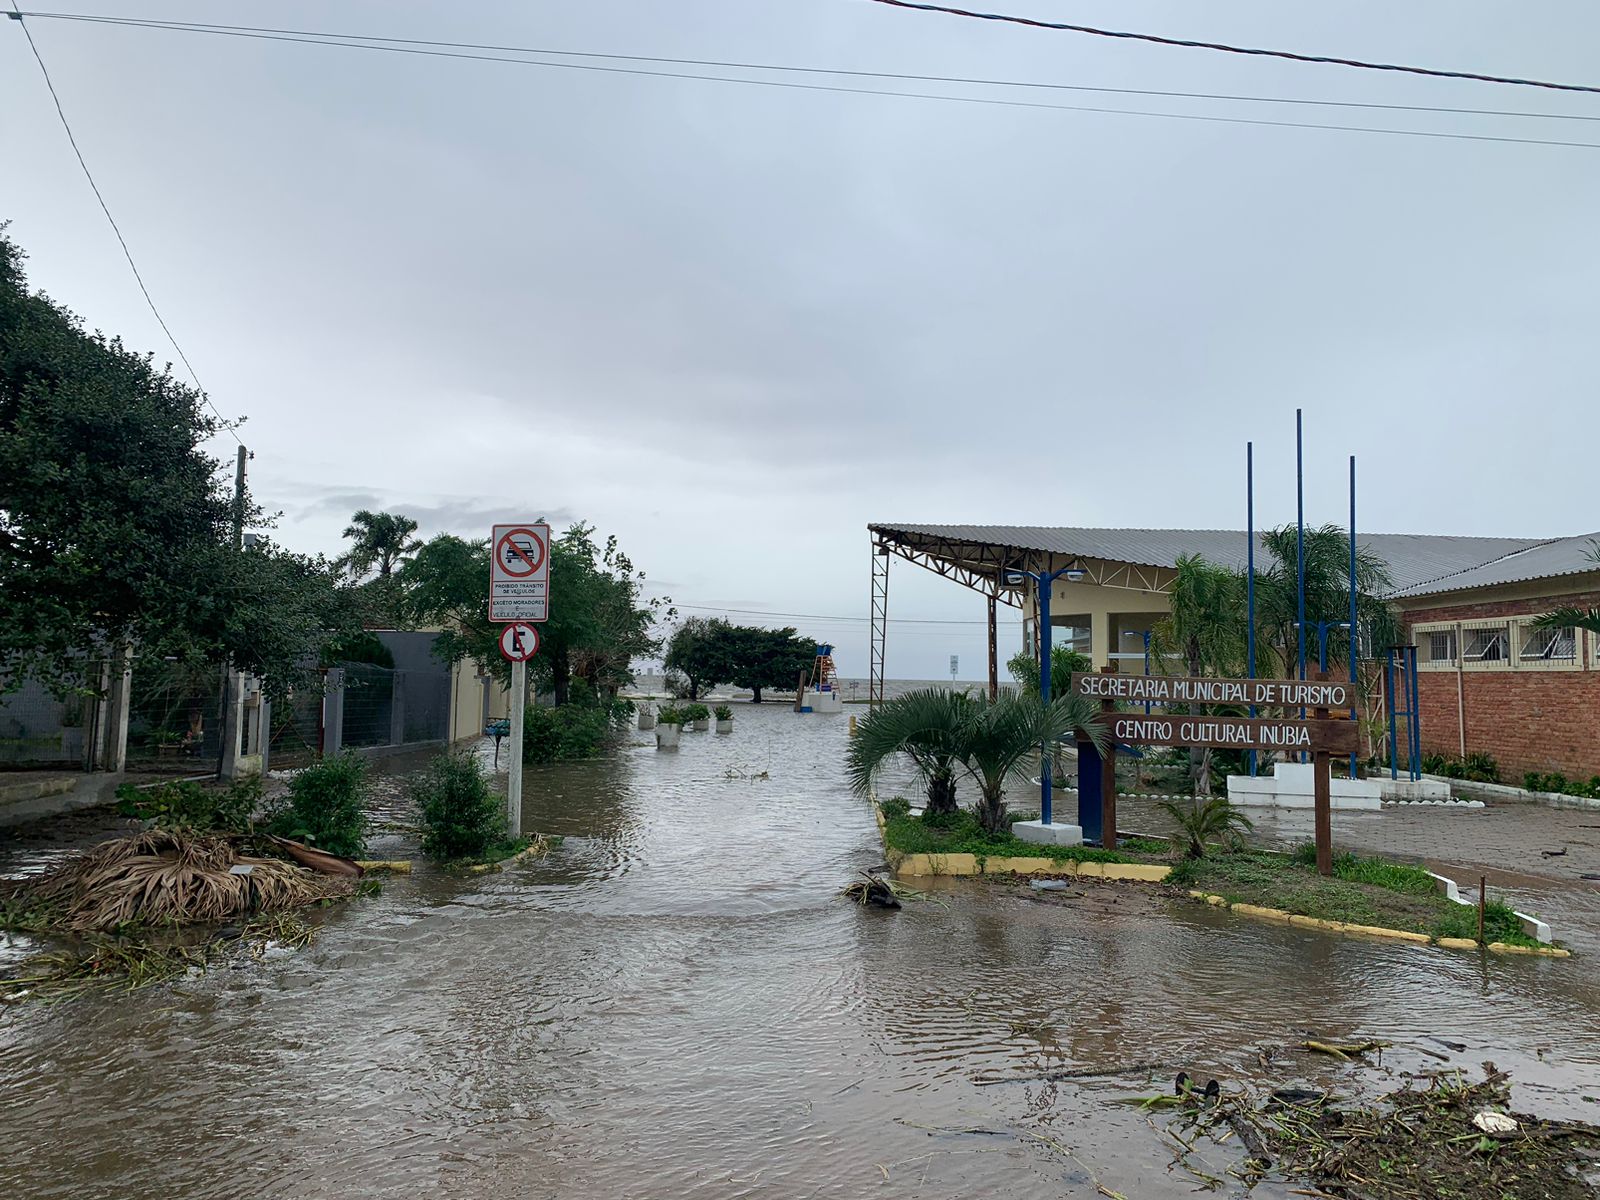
[(1321, 736)]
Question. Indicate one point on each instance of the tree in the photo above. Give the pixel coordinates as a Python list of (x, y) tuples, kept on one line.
[(702, 650), (1327, 589), (1205, 628), (599, 622), (1065, 662), (992, 740), (381, 540), (769, 658), (928, 727), (1569, 616), (116, 528)]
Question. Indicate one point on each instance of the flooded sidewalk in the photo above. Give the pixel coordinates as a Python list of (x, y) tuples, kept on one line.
[(675, 1003)]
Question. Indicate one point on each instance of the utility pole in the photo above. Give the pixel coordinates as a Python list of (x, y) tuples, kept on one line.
[(238, 545)]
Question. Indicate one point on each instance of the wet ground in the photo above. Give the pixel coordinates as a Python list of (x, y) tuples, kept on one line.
[(675, 1004)]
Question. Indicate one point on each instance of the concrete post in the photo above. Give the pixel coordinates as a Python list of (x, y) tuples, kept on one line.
[(233, 726), (264, 732), (397, 710), (333, 712), (1100, 638), (118, 698)]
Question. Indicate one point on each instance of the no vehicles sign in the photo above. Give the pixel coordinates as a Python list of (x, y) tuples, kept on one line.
[(519, 572)]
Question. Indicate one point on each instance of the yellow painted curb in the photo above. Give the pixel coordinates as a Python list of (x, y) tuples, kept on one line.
[(1260, 913), (1403, 935), (1136, 872), (1540, 951), (1456, 943), (1318, 923), (399, 866), (1217, 901)]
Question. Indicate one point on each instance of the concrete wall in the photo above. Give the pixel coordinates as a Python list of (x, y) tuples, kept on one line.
[(1530, 717), (1107, 612)]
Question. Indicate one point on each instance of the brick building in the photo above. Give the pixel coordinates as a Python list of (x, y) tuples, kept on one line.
[(1490, 681)]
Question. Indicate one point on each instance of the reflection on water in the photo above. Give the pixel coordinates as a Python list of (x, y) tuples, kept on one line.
[(675, 1004)]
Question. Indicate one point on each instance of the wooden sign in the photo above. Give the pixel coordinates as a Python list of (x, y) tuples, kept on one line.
[(1168, 690), (1233, 733)]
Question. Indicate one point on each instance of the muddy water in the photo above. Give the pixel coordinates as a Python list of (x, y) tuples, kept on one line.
[(674, 1004)]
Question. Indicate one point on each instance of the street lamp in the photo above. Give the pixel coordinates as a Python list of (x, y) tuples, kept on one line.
[(1044, 581)]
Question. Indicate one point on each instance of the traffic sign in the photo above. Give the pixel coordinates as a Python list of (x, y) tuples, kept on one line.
[(519, 641), (519, 572)]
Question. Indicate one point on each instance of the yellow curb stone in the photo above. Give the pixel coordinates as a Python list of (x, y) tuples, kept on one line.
[(1542, 951), (1404, 935), (1217, 901), (1317, 923), (400, 866), (1137, 872), (1262, 914), (1457, 943), (1097, 870), (1022, 866)]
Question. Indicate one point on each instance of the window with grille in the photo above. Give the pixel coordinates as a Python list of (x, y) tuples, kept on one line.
[(1549, 645), (1438, 646), (1487, 644)]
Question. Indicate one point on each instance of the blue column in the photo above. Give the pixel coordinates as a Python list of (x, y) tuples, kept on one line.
[(1046, 580)]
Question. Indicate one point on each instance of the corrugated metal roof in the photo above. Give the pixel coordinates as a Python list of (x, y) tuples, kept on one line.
[(1415, 559), (1543, 560)]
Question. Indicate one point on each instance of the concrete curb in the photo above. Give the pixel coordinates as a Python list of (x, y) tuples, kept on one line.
[(534, 851), (396, 866), (926, 866), (1516, 795), (1378, 931)]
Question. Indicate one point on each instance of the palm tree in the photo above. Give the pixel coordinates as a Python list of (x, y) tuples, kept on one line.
[(1200, 823), (926, 726), (992, 740), (381, 540), (1570, 616)]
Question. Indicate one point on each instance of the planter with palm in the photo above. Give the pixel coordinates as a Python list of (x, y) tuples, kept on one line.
[(992, 740)]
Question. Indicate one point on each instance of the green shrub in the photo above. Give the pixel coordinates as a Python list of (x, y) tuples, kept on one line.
[(325, 807), (722, 712), (191, 805), (672, 714), (1482, 768), (462, 816), (564, 733), (1200, 824), (697, 712), (898, 806)]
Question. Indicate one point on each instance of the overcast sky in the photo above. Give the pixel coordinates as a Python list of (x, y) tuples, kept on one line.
[(735, 324)]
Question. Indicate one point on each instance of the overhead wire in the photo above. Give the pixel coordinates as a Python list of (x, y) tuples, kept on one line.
[(115, 228), (1191, 44), (991, 101), (789, 68)]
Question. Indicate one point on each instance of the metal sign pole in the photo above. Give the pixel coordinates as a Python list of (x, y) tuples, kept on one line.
[(519, 702)]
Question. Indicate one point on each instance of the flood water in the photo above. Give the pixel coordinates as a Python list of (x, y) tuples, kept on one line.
[(675, 1004)]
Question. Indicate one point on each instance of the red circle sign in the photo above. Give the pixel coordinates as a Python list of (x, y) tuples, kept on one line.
[(520, 552), (519, 641)]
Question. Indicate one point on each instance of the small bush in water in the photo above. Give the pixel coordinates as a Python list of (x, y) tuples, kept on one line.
[(462, 816), (193, 806), (697, 712), (563, 733), (326, 807), (723, 712)]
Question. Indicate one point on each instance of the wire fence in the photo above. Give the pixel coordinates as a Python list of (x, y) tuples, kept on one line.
[(384, 707), (39, 729), (174, 712)]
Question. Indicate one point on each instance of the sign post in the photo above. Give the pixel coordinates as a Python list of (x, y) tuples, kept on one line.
[(1320, 735), (519, 592)]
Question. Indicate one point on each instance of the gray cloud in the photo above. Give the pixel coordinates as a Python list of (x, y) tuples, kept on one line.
[(733, 325)]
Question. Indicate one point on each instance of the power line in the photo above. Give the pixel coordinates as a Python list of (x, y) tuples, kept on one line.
[(17, 15), (1290, 55), (834, 88), (759, 612), (727, 64)]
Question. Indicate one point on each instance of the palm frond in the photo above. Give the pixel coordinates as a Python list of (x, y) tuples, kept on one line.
[(1570, 617), (926, 726)]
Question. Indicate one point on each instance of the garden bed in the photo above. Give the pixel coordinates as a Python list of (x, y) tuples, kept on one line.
[(1362, 893)]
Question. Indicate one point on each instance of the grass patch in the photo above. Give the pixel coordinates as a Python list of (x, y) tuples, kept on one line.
[(1361, 891), (961, 834)]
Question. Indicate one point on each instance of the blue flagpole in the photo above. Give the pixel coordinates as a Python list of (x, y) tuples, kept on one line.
[(1300, 546), (1353, 633), (1250, 568)]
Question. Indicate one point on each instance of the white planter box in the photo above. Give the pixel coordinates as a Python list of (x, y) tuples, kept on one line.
[(702, 725), (647, 719), (725, 726), (667, 736)]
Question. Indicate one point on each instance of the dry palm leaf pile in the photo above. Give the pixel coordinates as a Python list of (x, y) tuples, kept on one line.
[(1448, 1140), (168, 877)]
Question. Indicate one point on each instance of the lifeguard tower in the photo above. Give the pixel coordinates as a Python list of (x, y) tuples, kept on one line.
[(819, 693)]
